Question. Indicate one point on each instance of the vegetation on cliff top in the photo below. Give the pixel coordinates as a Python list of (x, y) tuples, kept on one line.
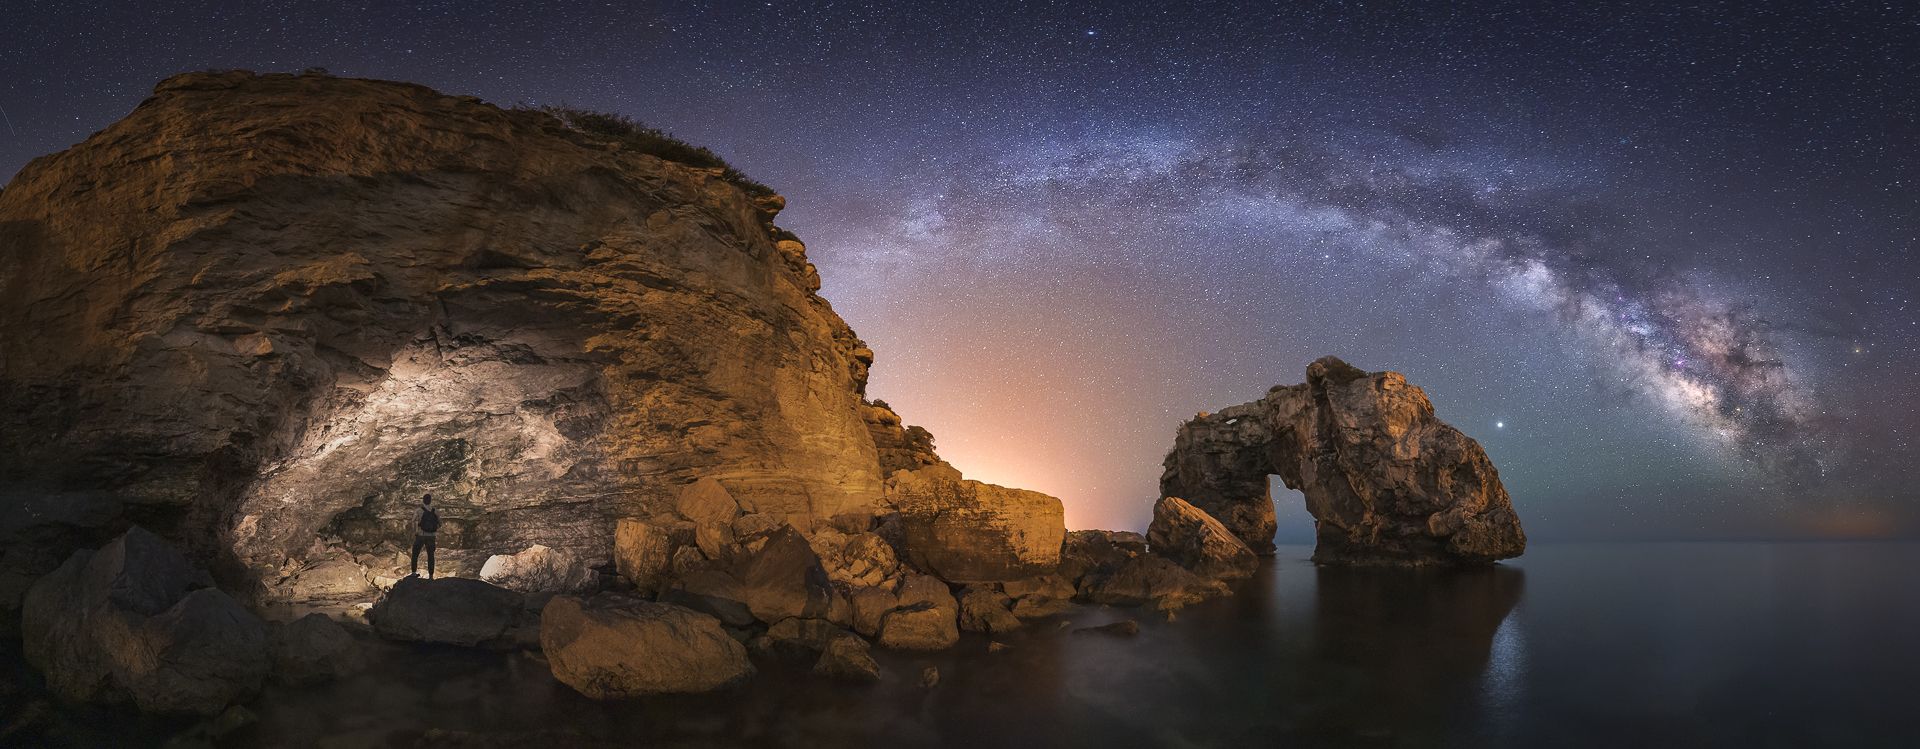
[(652, 141)]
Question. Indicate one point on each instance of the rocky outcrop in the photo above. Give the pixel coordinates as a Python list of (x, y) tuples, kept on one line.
[(319, 297), (1088, 552), (1149, 580), (966, 531), (1193, 539), (449, 610), (134, 621), (608, 647), (1387, 482), (901, 447)]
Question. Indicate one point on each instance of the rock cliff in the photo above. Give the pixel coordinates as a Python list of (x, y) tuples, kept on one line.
[(1387, 482), (263, 310)]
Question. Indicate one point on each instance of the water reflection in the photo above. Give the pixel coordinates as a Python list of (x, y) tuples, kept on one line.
[(1407, 653)]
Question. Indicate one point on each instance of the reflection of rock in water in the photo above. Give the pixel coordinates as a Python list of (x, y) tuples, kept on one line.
[(1388, 643)]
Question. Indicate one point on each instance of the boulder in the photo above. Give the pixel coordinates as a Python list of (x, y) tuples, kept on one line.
[(1086, 552), (1150, 580), (610, 647), (966, 531), (801, 635), (1039, 596), (983, 609), (1194, 540), (642, 552), (848, 658), (783, 578), (201, 655), (314, 648), (449, 610), (538, 569), (919, 626), (924, 618), (1386, 481), (712, 509), (868, 606), (134, 621)]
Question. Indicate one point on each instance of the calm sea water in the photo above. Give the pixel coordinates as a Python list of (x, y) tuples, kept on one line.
[(1604, 645)]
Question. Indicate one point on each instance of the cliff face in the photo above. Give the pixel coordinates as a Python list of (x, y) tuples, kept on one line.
[(1387, 482), (265, 313)]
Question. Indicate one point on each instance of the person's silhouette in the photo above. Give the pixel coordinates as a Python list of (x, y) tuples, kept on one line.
[(425, 527)]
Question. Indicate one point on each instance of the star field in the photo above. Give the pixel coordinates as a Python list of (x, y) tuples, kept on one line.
[(1660, 261)]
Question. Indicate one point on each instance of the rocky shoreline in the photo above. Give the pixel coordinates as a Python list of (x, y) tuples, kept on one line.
[(323, 297)]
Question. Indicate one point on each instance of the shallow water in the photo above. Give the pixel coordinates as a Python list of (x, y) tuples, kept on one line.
[(1712, 644)]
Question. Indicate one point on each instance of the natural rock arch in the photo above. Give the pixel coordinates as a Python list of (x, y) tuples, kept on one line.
[(1386, 481)]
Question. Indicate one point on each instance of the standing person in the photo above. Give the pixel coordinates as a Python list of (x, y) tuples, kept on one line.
[(425, 528)]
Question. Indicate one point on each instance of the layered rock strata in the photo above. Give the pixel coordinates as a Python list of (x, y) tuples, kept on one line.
[(265, 308)]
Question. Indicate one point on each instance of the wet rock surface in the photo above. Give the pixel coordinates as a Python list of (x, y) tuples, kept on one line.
[(612, 647), (1385, 479)]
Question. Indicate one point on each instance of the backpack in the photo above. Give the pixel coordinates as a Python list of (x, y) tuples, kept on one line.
[(429, 521)]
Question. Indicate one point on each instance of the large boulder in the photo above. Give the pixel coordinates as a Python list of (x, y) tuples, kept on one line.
[(134, 621), (1189, 536), (320, 297), (538, 569), (712, 509), (925, 617), (449, 610), (1039, 596), (984, 609), (1387, 482), (966, 531), (609, 647), (642, 552), (1091, 551), (849, 658), (783, 578), (314, 648)]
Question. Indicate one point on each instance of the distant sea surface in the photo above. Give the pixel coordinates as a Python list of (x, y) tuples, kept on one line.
[(1573, 645)]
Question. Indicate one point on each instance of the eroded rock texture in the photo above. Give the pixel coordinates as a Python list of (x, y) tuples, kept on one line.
[(1386, 480), (265, 309)]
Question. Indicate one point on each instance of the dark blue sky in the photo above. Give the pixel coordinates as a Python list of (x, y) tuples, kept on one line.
[(1659, 259)]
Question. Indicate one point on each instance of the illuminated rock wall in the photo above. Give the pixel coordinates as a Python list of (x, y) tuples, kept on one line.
[(264, 313)]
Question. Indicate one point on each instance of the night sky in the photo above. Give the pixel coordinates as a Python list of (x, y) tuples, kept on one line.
[(1661, 261)]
